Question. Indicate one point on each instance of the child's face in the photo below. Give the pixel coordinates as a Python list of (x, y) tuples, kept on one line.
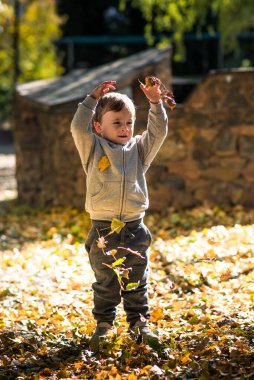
[(116, 126)]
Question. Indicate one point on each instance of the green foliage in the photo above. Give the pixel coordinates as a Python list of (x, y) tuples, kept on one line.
[(228, 17), (6, 57), (39, 28)]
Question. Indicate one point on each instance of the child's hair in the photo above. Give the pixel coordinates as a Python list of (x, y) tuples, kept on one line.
[(113, 101)]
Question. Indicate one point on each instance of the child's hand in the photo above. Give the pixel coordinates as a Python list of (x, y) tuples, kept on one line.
[(102, 89), (153, 93)]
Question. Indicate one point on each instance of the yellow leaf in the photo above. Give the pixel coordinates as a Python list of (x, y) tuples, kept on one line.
[(132, 377), (113, 370), (58, 317), (52, 231), (117, 225), (42, 321), (146, 369), (132, 285), (118, 262), (103, 163), (79, 365), (185, 358), (157, 314), (119, 330)]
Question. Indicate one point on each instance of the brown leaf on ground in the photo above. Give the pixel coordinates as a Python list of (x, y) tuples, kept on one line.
[(201, 296)]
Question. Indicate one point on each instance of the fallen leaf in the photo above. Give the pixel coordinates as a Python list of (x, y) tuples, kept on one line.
[(186, 358), (132, 376), (157, 314)]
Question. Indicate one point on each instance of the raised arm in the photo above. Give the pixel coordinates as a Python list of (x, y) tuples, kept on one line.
[(157, 126), (81, 125), (81, 128)]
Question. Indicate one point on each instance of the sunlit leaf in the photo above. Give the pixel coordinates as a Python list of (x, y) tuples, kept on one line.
[(137, 253), (132, 376), (208, 313), (157, 314), (145, 369), (103, 164), (125, 273), (186, 358), (117, 225), (118, 262), (5, 293), (132, 285), (101, 242), (112, 252)]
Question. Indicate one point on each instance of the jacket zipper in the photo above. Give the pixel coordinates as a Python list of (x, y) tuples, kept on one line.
[(123, 187)]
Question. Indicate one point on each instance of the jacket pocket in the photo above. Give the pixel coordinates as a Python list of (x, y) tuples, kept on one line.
[(137, 200), (107, 199)]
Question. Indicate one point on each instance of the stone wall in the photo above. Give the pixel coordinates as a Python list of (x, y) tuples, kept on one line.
[(48, 168), (208, 154)]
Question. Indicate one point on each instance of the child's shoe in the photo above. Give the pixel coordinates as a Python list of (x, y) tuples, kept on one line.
[(101, 331), (144, 334)]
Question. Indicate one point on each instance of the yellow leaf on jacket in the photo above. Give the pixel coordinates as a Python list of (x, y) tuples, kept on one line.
[(103, 163)]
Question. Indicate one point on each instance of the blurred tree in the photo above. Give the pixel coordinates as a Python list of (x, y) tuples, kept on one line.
[(96, 18), (226, 17), (39, 27)]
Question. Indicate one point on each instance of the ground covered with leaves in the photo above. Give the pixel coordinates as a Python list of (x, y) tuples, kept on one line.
[(201, 295)]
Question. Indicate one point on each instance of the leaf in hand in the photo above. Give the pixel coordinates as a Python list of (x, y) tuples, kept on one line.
[(103, 164)]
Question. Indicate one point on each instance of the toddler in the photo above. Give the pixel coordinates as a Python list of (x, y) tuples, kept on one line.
[(115, 163)]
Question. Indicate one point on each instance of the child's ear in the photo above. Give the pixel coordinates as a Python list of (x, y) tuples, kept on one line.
[(97, 126)]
